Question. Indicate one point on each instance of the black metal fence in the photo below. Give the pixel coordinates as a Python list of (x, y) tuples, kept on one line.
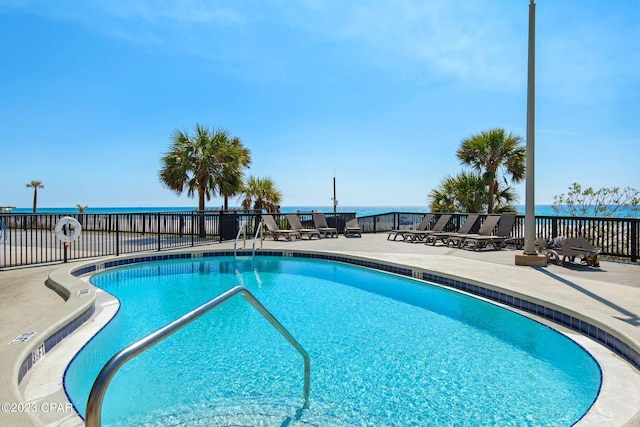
[(27, 239), (616, 237)]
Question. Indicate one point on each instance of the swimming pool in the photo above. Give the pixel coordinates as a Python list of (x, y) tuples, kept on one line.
[(385, 350)]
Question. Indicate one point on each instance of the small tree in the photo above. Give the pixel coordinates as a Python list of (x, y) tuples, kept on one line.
[(35, 185), (202, 162), (231, 178), (495, 155), (605, 202), (468, 192), (261, 193)]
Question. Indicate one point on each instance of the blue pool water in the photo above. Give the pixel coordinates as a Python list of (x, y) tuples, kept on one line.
[(385, 350)]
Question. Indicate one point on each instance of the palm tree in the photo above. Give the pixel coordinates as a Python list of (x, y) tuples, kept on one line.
[(35, 185), (505, 200), (261, 193), (492, 150), (200, 163), (232, 175), (466, 192)]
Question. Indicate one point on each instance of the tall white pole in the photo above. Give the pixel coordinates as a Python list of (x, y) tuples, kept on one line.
[(530, 203)]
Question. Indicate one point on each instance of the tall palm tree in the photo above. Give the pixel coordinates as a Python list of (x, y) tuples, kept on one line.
[(232, 175), (35, 185), (261, 193), (200, 161), (489, 151)]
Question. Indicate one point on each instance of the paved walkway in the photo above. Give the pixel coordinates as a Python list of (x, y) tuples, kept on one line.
[(608, 296)]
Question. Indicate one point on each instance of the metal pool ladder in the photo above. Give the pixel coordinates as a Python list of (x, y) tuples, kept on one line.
[(96, 396), (243, 231)]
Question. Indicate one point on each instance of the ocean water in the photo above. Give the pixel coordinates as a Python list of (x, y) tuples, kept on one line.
[(542, 210)]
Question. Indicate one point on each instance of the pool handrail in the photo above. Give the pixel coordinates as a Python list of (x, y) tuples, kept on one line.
[(98, 390), (255, 237), (242, 230)]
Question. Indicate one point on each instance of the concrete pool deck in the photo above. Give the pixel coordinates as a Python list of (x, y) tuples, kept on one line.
[(608, 296)]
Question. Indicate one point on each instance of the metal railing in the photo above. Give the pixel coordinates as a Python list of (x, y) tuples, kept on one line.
[(255, 238), (242, 231), (616, 237), (27, 239), (98, 391), (30, 238)]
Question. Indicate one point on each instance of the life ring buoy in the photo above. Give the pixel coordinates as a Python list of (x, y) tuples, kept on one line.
[(73, 229)]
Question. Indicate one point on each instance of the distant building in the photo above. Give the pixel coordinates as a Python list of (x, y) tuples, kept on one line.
[(6, 209)]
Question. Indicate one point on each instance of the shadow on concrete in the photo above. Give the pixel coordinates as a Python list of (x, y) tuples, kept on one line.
[(629, 317)]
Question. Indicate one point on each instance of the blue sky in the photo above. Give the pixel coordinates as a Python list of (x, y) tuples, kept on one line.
[(377, 93)]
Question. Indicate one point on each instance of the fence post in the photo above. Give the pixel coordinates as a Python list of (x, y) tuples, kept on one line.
[(193, 229), (117, 233), (220, 226), (635, 224), (158, 225)]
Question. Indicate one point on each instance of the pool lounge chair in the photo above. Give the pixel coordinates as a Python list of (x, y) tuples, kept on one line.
[(444, 236), (296, 225), (352, 228), (486, 228), (320, 221), (438, 227), (572, 248), (505, 226), (274, 231), (406, 234)]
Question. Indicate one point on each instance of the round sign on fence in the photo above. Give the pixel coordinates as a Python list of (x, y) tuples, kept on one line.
[(68, 229)]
